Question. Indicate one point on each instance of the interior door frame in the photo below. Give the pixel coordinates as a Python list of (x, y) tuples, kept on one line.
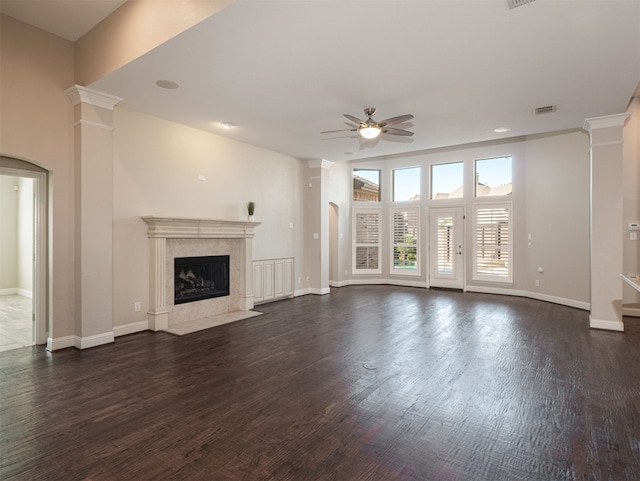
[(458, 280), (41, 269)]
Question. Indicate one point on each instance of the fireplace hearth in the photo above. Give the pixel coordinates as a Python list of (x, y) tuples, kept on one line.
[(198, 278)]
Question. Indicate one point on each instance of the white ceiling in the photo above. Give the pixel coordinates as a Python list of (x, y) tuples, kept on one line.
[(283, 71)]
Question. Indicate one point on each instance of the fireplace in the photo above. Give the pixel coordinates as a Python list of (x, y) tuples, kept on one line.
[(198, 278), (176, 237)]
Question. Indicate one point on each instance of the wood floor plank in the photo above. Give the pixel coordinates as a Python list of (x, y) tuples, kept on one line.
[(369, 383)]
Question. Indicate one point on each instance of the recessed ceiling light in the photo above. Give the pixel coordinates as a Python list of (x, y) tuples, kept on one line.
[(226, 125), (167, 84), (501, 130)]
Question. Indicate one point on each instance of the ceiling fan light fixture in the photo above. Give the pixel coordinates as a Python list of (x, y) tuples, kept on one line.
[(369, 132)]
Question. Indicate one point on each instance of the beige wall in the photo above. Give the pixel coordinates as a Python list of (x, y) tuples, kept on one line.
[(134, 29), (157, 165), (550, 200), (36, 124), (631, 195), (557, 215), (8, 233)]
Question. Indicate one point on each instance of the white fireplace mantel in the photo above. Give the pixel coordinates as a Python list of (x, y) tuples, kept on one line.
[(162, 228)]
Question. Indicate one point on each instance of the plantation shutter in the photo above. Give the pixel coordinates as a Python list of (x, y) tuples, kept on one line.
[(405, 241), (445, 248), (367, 241), (493, 242)]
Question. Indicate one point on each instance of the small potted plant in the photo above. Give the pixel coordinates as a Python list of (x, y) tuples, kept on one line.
[(251, 207)]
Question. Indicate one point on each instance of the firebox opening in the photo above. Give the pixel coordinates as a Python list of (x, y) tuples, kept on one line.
[(198, 278)]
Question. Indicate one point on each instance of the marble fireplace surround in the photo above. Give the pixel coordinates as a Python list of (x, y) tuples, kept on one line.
[(172, 237)]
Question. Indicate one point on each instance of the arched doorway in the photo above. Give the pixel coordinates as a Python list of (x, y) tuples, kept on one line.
[(30, 183)]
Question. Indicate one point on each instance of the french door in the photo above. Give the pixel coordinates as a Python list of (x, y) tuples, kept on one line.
[(446, 252)]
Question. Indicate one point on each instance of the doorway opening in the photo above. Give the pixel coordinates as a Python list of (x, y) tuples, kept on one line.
[(23, 254)]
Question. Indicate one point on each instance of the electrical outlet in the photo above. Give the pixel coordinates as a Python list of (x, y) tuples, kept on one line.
[(537, 283), (137, 306)]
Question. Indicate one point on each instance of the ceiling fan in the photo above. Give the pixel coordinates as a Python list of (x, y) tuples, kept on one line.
[(370, 129)]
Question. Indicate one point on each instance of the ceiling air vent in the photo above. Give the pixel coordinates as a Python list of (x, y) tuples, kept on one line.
[(545, 110), (518, 3)]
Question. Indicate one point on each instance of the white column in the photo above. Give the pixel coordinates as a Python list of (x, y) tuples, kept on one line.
[(607, 224), (93, 243), (318, 227)]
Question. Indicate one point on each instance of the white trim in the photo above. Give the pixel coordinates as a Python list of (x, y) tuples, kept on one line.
[(585, 306), (60, 343), (301, 292), (94, 124), (606, 324), (130, 328), (9, 292), (25, 293), (604, 122), (319, 291), (78, 93), (631, 311), (496, 290), (388, 282), (79, 342), (93, 341), (325, 164), (338, 283)]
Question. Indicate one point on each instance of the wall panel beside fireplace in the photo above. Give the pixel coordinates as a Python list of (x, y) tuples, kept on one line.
[(272, 279)]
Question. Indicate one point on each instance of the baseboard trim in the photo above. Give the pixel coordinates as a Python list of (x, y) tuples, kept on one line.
[(319, 291), (25, 293), (301, 292), (387, 282), (631, 311), (60, 343), (130, 328), (585, 306), (8, 292), (79, 342), (338, 283), (606, 324)]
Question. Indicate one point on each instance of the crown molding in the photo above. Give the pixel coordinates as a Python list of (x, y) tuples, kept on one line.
[(325, 164), (79, 94), (606, 121)]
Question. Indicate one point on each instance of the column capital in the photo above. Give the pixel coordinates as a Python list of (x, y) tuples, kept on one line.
[(324, 164), (79, 94), (604, 122)]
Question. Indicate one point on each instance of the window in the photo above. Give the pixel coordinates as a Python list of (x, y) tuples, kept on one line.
[(492, 244), (366, 185), (493, 176), (405, 232), (446, 180), (406, 184), (366, 249)]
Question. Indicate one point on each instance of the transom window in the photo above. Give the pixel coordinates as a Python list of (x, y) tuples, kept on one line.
[(493, 177), (366, 185), (447, 180), (406, 184)]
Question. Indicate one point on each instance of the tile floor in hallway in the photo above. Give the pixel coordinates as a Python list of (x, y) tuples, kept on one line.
[(16, 328)]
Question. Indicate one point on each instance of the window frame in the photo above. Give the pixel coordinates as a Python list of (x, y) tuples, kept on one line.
[(475, 177), (355, 244), (353, 191), (462, 181), (481, 276), (393, 270), (393, 184)]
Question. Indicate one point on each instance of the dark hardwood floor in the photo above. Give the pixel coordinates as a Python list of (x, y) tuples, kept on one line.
[(369, 383)]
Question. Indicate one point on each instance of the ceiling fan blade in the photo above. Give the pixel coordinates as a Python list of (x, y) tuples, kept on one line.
[(396, 120), (354, 119), (339, 130), (392, 131)]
